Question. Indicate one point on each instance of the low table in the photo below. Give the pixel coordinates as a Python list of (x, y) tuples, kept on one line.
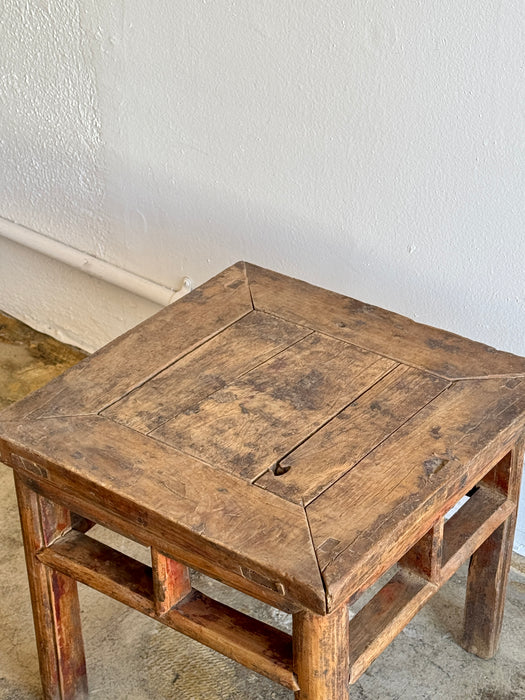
[(288, 441)]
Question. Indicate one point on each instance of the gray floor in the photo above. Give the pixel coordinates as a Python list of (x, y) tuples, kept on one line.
[(130, 656)]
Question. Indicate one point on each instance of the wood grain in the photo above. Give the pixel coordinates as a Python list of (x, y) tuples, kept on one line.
[(171, 581), (254, 644), (426, 567), (425, 558), (249, 425), (389, 334), (352, 434), (383, 617), (216, 568), (54, 597), (288, 441), (188, 504), (397, 492), (255, 338), (103, 568), (471, 525), (488, 573), (177, 329), (321, 654)]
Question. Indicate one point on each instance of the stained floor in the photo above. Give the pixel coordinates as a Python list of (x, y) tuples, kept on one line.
[(130, 657)]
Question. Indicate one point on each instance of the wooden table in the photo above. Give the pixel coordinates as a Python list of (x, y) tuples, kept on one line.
[(288, 441)]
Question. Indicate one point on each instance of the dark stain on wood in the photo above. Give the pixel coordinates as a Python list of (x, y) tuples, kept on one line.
[(440, 344), (434, 464)]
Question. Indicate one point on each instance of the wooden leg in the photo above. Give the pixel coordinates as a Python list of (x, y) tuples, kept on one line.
[(56, 610), (489, 568), (321, 655)]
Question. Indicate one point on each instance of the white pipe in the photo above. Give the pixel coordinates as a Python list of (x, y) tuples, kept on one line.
[(95, 267)]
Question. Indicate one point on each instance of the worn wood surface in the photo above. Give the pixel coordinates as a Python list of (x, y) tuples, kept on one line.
[(286, 434), (245, 427), (486, 586), (321, 654), (171, 581), (289, 441), (103, 568), (383, 617), (489, 568), (254, 644), (470, 526), (54, 597), (250, 642), (425, 558), (188, 503), (367, 519), (255, 337), (357, 430), (219, 568), (446, 354), (168, 335)]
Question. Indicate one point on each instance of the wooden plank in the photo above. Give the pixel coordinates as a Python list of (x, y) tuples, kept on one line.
[(194, 510), (174, 331), (136, 531), (470, 526), (254, 644), (103, 568), (321, 654), (425, 558), (383, 617), (488, 572), (326, 456), (373, 514), (54, 597), (171, 581), (382, 331), (239, 348), (381, 620), (247, 427)]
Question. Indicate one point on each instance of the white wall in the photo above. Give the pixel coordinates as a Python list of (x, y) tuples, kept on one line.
[(375, 148)]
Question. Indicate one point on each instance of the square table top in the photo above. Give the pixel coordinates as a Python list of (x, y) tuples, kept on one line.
[(297, 437)]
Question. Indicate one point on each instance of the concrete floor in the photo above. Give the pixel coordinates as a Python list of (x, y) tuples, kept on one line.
[(132, 657)]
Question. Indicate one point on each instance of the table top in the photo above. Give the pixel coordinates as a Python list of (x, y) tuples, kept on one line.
[(300, 438)]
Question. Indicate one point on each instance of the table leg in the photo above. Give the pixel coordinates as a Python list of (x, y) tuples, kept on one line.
[(489, 568), (321, 655), (56, 610)]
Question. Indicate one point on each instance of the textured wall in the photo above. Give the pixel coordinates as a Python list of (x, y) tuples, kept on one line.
[(51, 176), (374, 148)]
